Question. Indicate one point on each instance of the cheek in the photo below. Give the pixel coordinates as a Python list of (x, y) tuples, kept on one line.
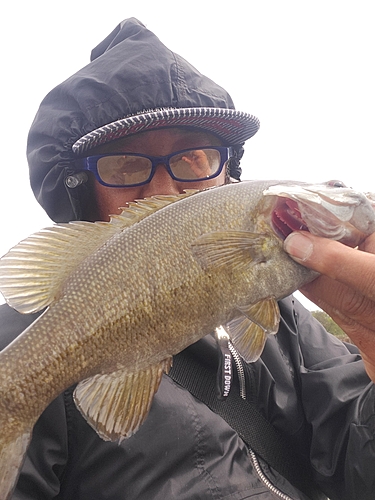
[(217, 181), (110, 200), (221, 179)]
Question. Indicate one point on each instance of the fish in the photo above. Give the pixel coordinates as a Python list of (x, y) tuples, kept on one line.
[(121, 298)]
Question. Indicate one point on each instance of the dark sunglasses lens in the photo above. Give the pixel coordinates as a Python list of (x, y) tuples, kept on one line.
[(124, 170), (195, 164)]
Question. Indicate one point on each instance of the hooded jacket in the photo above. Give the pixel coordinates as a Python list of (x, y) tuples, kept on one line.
[(130, 72), (310, 386)]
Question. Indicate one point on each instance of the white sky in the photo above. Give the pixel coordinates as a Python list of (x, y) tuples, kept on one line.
[(305, 69)]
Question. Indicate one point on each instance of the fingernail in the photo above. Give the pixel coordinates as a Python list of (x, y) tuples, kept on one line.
[(298, 246)]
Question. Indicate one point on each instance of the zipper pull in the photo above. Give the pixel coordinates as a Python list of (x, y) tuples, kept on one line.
[(224, 376)]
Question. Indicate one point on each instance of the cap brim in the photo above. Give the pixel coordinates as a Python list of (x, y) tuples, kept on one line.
[(233, 127)]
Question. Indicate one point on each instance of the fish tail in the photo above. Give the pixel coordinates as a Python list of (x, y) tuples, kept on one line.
[(12, 455)]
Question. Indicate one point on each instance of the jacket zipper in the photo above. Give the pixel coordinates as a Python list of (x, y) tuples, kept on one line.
[(253, 457), (240, 370)]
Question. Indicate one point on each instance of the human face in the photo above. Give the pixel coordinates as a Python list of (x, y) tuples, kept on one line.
[(154, 143)]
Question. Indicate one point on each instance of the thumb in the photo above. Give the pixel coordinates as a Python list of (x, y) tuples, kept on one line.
[(300, 246), (320, 254), (331, 258)]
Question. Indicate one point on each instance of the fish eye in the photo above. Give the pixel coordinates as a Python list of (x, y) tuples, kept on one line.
[(336, 184)]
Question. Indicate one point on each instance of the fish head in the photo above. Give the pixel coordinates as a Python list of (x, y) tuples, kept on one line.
[(329, 210)]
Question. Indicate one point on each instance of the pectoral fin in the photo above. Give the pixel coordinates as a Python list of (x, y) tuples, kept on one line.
[(230, 248), (249, 331), (117, 404)]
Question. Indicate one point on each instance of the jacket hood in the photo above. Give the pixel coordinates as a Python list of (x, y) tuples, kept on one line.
[(130, 72)]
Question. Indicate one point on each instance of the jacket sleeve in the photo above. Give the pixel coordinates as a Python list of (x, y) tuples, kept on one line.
[(339, 403)]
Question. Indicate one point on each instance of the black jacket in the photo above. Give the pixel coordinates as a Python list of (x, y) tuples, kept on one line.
[(307, 384), (130, 72)]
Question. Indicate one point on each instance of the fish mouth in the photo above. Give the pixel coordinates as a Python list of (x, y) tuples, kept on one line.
[(286, 218), (328, 210)]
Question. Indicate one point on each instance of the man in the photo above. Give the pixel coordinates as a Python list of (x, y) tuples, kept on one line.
[(138, 100)]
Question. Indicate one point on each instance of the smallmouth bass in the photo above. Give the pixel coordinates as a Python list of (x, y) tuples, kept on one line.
[(123, 297)]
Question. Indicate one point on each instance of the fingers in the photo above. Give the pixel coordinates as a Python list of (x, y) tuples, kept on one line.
[(352, 267), (346, 306), (198, 163), (351, 311), (369, 244), (346, 287)]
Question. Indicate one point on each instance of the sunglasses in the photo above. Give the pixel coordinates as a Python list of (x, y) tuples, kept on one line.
[(134, 169)]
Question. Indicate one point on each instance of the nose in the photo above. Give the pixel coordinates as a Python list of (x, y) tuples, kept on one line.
[(161, 183)]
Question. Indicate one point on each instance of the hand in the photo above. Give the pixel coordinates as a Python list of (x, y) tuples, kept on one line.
[(346, 289), (198, 162)]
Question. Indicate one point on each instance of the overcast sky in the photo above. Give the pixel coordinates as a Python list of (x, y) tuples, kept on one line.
[(305, 69)]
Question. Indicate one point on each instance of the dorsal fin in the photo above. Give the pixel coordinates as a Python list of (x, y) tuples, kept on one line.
[(33, 272), (137, 210)]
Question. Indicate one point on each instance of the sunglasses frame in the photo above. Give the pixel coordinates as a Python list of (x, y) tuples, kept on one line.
[(90, 163)]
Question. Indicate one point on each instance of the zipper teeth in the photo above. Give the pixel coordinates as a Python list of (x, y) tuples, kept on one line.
[(254, 459), (240, 370), (264, 479)]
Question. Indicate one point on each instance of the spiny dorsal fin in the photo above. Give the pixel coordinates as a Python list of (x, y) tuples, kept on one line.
[(116, 404), (33, 272), (139, 209)]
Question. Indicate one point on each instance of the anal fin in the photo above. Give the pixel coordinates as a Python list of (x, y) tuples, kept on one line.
[(117, 404)]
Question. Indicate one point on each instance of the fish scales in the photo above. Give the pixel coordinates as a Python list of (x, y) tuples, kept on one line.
[(147, 290), (93, 285)]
